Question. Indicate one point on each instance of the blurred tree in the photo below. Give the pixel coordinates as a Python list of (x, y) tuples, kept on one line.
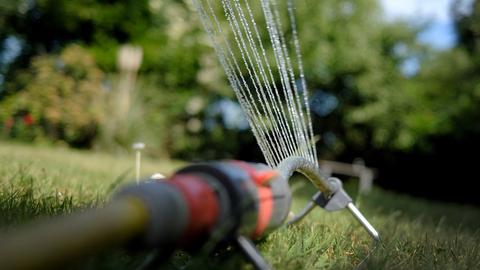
[(447, 88), (353, 62), (468, 25), (350, 54), (168, 33), (48, 25), (439, 119)]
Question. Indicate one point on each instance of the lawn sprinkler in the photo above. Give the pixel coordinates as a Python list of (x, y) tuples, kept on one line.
[(200, 207), (207, 205)]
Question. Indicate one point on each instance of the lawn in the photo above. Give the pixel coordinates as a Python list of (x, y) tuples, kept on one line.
[(38, 181)]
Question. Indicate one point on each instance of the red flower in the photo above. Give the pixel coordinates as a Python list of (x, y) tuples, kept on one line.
[(28, 119), (9, 123)]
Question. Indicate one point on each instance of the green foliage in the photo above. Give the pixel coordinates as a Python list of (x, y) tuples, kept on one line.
[(353, 54), (349, 51), (50, 25), (468, 26), (62, 96), (444, 97)]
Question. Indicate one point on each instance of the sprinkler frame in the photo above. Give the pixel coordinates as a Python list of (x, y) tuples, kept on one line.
[(331, 195)]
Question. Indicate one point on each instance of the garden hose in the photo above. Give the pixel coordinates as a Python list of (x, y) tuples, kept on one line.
[(54, 242)]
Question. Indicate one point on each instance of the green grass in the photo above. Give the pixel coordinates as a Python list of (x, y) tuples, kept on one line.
[(38, 181)]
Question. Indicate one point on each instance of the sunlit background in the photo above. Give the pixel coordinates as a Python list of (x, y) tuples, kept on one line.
[(395, 83)]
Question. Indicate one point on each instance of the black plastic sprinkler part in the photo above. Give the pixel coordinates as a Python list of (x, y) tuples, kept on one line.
[(199, 207)]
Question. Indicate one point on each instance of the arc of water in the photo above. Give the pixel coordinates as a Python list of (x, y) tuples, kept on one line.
[(276, 108)]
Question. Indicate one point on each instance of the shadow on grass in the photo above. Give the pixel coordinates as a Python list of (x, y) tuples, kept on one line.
[(399, 206), (439, 214)]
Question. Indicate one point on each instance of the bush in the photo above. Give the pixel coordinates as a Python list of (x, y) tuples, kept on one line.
[(59, 97)]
